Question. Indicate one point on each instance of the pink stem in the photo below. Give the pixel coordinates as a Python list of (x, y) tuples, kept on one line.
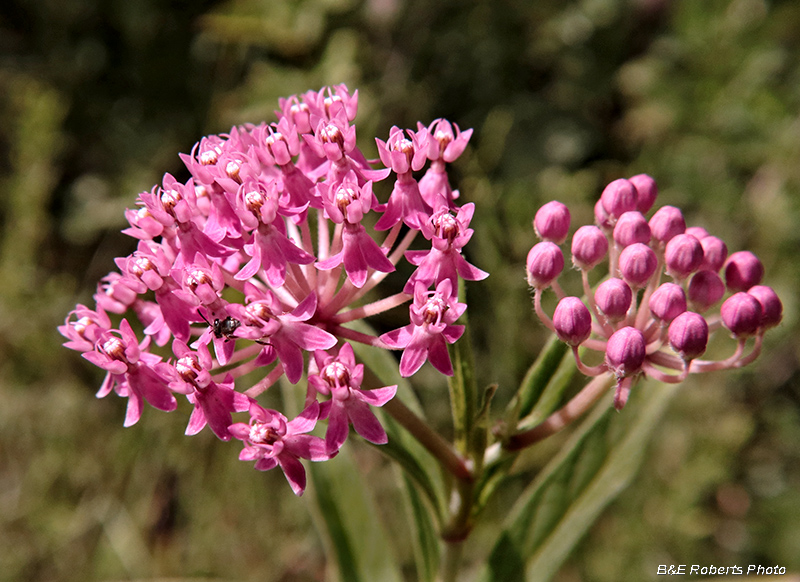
[(575, 408)]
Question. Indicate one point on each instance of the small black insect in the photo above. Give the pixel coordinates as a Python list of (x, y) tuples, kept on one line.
[(223, 328)]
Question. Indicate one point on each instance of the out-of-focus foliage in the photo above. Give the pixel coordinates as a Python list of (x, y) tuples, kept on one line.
[(97, 97)]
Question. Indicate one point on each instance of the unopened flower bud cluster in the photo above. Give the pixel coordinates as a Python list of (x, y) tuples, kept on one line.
[(653, 314), (260, 260)]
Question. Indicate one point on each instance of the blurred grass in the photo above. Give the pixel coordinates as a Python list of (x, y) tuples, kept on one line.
[(97, 99)]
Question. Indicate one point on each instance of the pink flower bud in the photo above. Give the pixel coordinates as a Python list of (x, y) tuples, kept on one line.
[(705, 289), (646, 191), (688, 335), (631, 228), (545, 263), (771, 306), (715, 251), (683, 255), (742, 271), (667, 302), (741, 313), (666, 223), (551, 222), (572, 321), (637, 263), (618, 198), (601, 217), (614, 297), (697, 232), (625, 352), (589, 247)]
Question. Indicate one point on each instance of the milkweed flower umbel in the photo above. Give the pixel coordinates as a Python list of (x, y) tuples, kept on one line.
[(650, 315), (259, 261)]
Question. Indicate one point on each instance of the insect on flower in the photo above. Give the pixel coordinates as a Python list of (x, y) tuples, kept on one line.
[(223, 328)]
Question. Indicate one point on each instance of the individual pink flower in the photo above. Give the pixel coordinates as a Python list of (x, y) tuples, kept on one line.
[(443, 146), (83, 327), (771, 306), (114, 293), (741, 314), (667, 302), (637, 263), (340, 378), (715, 251), (404, 151), (131, 372), (271, 250), (271, 440), (335, 140), (683, 255), (265, 319), (213, 402), (431, 329), (445, 143), (346, 204), (705, 289), (448, 235)]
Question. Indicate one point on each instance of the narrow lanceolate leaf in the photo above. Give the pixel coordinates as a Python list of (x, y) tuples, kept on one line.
[(463, 394), (425, 538), (599, 460), (553, 394), (463, 389), (422, 484), (357, 546), (537, 378), (418, 463), (347, 518)]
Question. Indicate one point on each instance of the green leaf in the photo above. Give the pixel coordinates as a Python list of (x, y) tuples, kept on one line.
[(420, 465), (597, 462), (537, 378), (344, 514), (422, 484), (425, 539), (552, 396), (347, 518), (464, 393)]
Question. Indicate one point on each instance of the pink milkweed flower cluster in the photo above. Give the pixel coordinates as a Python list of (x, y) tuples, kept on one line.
[(259, 261), (654, 312)]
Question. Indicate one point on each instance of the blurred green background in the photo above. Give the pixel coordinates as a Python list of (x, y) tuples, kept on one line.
[(97, 97)]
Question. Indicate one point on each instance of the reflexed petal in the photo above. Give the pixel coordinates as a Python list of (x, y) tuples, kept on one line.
[(294, 471), (365, 422)]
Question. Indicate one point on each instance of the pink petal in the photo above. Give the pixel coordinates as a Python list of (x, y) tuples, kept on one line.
[(365, 423), (439, 357), (412, 360), (377, 396), (338, 428), (295, 473)]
